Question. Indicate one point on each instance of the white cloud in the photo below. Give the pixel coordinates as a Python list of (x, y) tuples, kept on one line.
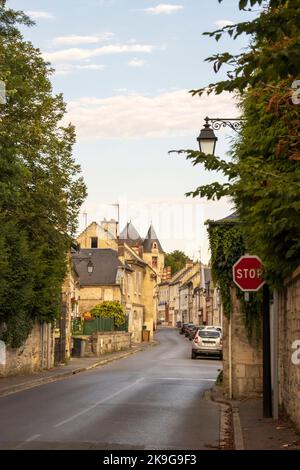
[(66, 69), (36, 15), (75, 54), (163, 8), (75, 40), (133, 116), (137, 63), (222, 23)]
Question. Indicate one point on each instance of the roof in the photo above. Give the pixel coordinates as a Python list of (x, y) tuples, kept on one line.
[(179, 275), (131, 235), (105, 262), (231, 218), (151, 238)]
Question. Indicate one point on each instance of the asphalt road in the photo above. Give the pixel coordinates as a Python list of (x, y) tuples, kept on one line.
[(152, 400)]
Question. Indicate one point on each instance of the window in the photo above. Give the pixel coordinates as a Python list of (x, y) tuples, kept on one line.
[(154, 262), (94, 242), (155, 246)]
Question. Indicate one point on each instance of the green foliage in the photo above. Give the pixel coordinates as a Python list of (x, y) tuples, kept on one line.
[(176, 260), (110, 309), (227, 246), (273, 53), (40, 187), (263, 176)]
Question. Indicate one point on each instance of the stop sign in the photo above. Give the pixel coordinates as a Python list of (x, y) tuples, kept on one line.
[(247, 273)]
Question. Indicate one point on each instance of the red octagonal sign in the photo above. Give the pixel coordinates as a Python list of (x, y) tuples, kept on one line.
[(247, 273)]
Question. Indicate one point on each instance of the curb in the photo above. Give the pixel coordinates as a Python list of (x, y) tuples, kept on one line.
[(237, 430), (55, 378), (225, 430)]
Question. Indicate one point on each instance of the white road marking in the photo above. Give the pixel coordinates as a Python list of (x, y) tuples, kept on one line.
[(184, 379), (30, 439), (100, 402)]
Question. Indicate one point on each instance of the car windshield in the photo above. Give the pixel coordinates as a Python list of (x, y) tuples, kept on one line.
[(208, 334)]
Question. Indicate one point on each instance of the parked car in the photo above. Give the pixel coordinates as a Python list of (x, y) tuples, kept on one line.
[(207, 342), (188, 329), (213, 327), (183, 327), (194, 330)]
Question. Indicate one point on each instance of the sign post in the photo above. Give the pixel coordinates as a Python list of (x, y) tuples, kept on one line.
[(247, 275)]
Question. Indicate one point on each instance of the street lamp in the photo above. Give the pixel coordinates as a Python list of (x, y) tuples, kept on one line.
[(207, 139), (90, 267)]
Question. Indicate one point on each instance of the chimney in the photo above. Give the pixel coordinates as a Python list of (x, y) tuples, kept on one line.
[(110, 226), (189, 263)]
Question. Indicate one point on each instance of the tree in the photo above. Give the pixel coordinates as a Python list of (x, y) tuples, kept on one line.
[(41, 190), (176, 260), (263, 176), (110, 309)]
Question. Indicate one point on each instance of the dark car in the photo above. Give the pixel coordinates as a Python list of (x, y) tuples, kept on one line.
[(193, 330), (183, 327), (188, 329)]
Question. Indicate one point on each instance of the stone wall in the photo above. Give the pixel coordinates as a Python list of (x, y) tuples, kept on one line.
[(37, 353), (94, 295), (103, 343), (289, 332), (246, 356)]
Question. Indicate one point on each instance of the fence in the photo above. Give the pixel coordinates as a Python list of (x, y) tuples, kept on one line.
[(98, 324)]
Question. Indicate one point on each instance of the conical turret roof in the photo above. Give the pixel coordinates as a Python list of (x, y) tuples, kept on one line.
[(150, 239), (131, 235)]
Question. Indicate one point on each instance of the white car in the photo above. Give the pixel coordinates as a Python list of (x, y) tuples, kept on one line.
[(207, 342)]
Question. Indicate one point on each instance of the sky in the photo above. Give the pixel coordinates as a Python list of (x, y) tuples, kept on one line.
[(125, 68)]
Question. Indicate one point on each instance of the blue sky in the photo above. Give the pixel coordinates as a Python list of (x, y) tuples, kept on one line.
[(124, 67)]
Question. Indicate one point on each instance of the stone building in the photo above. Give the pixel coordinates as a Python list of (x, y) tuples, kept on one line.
[(122, 271), (103, 235)]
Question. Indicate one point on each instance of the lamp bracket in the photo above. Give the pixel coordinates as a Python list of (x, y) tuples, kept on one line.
[(217, 123)]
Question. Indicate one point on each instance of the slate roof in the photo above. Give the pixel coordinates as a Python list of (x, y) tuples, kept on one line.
[(150, 239), (106, 264), (131, 235), (231, 218)]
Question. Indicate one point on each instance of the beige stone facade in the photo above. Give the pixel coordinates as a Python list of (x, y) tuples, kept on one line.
[(136, 287), (289, 333), (98, 236), (90, 296), (242, 358), (140, 288)]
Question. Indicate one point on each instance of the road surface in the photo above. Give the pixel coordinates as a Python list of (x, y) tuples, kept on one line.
[(151, 400)]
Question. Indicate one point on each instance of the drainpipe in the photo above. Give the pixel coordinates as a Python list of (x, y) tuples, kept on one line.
[(230, 359), (274, 353)]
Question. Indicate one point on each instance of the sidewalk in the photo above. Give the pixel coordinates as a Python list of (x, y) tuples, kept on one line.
[(10, 385), (265, 433), (253, 432)]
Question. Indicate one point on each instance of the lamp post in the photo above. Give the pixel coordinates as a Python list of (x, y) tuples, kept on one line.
[(207, 144)]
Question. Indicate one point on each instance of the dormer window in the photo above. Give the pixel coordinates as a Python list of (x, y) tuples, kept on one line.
[(155, 246), (94, 242)]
